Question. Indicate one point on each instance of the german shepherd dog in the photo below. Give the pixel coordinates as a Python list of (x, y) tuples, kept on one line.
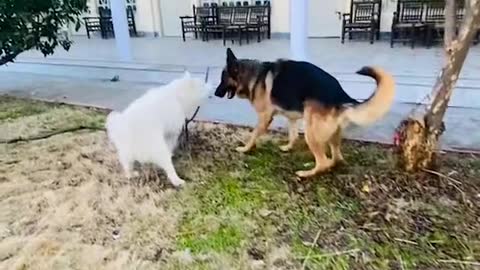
[(302, 90)]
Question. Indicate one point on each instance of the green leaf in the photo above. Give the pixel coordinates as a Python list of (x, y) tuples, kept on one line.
[(27, 24), (78, 25)]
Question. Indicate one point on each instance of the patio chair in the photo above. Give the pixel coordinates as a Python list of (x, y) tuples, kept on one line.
[(259, 21), (196, 23), (223, 21), (435, 20), (104, 12), (92, 24), (364, 17), (106, 22), (239, 23), (407, 21), (132, 26)]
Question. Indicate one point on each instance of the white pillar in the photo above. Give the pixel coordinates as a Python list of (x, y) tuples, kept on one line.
[(299, 29), (120, 26)]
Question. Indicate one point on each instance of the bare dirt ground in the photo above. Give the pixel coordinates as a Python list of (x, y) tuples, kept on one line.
[(65, 204)]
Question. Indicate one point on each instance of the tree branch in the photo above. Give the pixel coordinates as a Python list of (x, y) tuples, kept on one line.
[(50, 134), (450, 72), (471, 19), (450, 23), (8, 58)]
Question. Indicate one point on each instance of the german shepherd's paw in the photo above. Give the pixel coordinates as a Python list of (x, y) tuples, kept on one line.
[(305, 174), (243, 149), (324, 167), (286, 147)]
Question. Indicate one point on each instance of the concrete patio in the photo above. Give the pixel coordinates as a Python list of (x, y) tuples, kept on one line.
[(83, 75)]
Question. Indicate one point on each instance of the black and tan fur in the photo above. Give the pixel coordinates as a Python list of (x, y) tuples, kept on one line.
[(302, 90)]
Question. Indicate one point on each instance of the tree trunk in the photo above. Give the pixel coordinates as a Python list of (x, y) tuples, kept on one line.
[(8, 58), (418, 138)]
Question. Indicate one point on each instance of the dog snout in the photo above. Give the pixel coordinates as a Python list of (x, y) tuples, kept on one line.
[(220, 91)]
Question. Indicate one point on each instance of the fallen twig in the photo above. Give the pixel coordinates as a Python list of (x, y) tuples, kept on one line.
[(310, 250), (453, 261), (185, 133), (48, 135), (406, 241), (332, 254), (443, 175), (452, 182)]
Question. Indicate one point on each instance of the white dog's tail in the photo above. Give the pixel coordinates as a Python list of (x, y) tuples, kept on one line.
[(113, 125)]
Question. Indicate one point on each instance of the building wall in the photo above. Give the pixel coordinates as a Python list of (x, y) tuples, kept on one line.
[(281, 16), (170, 11), (388, 7), (147, 17)]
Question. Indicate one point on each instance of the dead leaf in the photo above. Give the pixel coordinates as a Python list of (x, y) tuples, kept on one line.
[(264, 212), (366, 188)]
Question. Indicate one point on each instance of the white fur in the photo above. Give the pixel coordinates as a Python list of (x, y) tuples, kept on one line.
[(148, 129)]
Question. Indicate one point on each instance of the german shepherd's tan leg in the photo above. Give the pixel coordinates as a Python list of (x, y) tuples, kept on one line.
[(264, 120), (292, 135), (335, 144), (319, 129)]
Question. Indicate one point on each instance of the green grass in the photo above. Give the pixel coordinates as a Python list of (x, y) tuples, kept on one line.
[(50, 113), (225, 238), (251, 197), (25, 119), (394, 223), (13, 108)]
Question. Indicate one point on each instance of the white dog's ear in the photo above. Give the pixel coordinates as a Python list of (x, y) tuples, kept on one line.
[(187, 75)]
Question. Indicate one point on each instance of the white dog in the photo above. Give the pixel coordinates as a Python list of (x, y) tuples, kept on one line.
[(148, 129)]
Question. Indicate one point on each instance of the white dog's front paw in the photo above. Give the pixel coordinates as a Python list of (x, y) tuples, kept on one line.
[(242, 149), (286, 148), (178, 182)]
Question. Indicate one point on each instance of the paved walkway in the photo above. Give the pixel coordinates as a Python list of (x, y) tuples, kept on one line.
[(82, 76)]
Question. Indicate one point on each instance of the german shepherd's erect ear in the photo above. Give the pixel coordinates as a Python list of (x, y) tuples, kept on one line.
[(232, 65), (230, 56), (228, 82)]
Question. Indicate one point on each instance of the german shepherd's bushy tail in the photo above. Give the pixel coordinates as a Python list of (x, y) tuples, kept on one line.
[(377, 105)]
